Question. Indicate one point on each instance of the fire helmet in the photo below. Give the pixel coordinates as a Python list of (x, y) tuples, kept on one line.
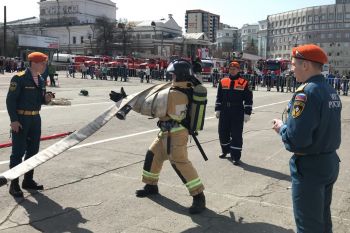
[(182, 69)]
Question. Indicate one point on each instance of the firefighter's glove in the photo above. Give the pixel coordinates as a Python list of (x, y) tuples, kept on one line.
[(116, 96), (217, 114), (246, 118)]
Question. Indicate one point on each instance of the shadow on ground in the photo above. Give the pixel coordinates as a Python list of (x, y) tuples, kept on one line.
[(45, 215), (210, 221)]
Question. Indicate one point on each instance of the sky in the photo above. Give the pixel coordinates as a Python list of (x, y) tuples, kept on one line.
[(232, 12)]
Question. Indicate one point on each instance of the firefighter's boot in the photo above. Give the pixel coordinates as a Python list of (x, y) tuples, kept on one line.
[(15, 190), (147, 191), (29, 183), (198, 204)]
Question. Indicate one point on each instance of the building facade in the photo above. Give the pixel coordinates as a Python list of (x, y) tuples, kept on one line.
[(262, 39), (197, 21), (155, 37), (327, 26), (249, 38), (75, 11), (226, 41)]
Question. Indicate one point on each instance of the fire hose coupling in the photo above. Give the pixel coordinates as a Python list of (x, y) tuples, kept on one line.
[(3, 181), (121, 114)]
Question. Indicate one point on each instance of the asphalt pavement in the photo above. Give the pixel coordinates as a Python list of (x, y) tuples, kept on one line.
[(91, 187)]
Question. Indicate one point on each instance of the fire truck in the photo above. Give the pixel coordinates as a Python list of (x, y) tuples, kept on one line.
[(278, 66)]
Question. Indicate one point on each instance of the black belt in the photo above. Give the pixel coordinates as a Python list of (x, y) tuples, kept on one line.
[(167, 125)]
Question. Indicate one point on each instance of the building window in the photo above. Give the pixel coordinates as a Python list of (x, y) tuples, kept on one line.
[(316, 26), (347, 35), (323, 26), (339, 16), (81, 40), (330, 35), (331, 25), (323, 17), (338, 35), (74, 40), (289, 21), (285, 22), (323, 36), (309, 18), (294, 20), (331, 16), (316, 18), (347, 16), (299, 20), (304, 19)]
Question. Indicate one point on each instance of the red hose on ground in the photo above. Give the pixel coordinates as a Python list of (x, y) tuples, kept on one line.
[(53, 136)]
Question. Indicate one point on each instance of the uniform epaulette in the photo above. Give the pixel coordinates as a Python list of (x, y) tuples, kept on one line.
[(302, 87), (21, 73)]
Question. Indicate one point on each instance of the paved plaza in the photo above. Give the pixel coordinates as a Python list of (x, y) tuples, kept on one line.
[(90, 188)]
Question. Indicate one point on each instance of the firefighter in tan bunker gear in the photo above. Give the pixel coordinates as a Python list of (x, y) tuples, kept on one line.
[(171, 142)]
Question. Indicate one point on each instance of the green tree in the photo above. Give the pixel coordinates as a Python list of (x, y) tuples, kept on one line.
[(251, 48), (104, 35)]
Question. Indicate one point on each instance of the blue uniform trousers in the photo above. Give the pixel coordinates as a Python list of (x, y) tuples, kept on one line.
[(230, 131), (27, 140), (313, 177)]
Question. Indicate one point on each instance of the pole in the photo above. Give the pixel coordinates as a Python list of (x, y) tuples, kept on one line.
[(4, 51), (161, 46), (199, 146)]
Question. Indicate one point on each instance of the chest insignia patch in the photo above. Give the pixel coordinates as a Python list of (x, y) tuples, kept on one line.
[(13, 86)]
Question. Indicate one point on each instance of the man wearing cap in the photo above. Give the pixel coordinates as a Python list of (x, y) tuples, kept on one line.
[(26, 94), (234, 101), (312, 132)]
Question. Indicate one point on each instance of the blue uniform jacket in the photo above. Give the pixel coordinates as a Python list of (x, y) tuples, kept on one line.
[(24, 94), (237, 94), (313, 125)]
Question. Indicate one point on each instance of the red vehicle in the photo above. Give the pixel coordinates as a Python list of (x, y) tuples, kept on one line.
[(278, 66)]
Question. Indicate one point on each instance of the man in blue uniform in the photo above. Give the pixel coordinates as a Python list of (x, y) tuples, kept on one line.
[(26, 94), (312, 132), (234, 101)]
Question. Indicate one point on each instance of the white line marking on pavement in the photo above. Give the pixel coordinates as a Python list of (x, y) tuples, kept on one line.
[(4, 162), (140, 133), (112, 139)]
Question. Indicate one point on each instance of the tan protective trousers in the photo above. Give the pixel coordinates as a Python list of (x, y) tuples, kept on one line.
[(178, 157)]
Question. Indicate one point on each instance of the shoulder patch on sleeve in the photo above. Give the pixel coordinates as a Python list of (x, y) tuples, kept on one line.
[(298, 108), (302, 87), (21, 74), (13, 86)]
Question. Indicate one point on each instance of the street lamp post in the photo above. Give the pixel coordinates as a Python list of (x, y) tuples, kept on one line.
[(68, 29), (4, 51), (153, 24)]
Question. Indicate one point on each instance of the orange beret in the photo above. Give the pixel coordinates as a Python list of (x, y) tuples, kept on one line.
[(37, 57), (235, 64), (310, 52)]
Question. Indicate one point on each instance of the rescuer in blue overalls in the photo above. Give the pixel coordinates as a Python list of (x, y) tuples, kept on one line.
[(26, 94), (233, 107), (313, 133)]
